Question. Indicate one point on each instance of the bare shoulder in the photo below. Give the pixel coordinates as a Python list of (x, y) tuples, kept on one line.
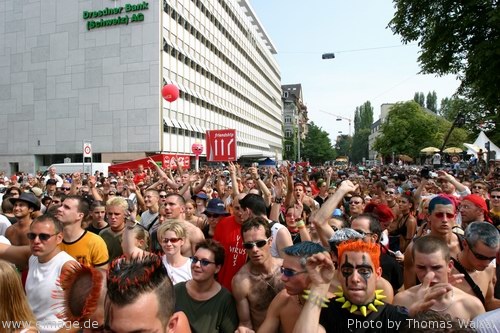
[(242, 274), (406, 297), (469, 302)]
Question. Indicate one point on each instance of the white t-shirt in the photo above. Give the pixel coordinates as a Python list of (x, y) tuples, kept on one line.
[(4, 224), (178, 274)]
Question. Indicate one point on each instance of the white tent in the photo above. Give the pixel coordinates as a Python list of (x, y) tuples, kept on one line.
[(473, 148)]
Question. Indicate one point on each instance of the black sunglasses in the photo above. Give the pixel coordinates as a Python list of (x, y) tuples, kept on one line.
[(212, 215), (259, 244), (43, 237), (65, 188), (203, 262), (290, 272), (478, 255), (163, 196)]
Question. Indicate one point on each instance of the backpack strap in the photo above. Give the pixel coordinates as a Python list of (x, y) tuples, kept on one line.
[(475, 288)]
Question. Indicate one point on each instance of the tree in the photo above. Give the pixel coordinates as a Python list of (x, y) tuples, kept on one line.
[(408, 129), (317, 146), (419, 97), (456, 37), (431, 101), (343, 145), (363, 119)]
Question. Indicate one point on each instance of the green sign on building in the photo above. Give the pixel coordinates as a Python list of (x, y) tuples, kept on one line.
[(106, 17)]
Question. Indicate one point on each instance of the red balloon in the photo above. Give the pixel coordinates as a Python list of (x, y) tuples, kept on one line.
[(170, 92)]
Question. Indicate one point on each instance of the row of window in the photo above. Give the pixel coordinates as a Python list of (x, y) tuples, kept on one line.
[(196, 33), (208, 75)]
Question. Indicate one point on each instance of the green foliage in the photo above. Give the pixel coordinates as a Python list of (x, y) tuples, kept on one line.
[(363, 119), (456, 37), (419, 97), (407, 130), (431, 101), (317, 147), (343, 145)]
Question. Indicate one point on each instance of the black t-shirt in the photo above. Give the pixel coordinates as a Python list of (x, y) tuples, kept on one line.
[(389, 318), (391, 271)]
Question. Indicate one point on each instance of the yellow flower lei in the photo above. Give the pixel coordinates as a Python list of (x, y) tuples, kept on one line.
[(379, 294)]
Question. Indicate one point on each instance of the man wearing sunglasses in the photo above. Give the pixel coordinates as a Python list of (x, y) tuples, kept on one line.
[(286, 306), (45, 261), (480, 248), (442, 216), (204, 295), (258, 282)]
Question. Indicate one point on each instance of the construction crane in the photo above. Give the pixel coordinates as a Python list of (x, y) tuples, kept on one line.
[(340, 118)]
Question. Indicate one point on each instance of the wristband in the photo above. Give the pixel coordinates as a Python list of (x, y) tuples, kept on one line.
[(300, 224), (278, 200)]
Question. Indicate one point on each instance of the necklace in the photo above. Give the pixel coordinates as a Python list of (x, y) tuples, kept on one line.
[(379, 294), (264, 279), (446, 307)]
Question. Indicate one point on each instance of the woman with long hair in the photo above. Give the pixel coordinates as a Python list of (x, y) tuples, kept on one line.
[(403, 228), (14, 307)]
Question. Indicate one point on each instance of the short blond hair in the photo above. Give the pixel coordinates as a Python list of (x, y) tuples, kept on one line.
[(172, 225)]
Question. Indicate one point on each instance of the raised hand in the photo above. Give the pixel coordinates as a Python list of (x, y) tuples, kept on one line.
[(320, 268)]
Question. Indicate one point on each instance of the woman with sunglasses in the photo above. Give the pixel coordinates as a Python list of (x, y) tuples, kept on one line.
[(171, 237)]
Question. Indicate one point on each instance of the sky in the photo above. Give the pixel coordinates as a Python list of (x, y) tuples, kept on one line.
[(371, 63)]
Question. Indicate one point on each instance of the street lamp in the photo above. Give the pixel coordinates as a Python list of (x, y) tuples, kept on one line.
[(328, 56), (339, 118)]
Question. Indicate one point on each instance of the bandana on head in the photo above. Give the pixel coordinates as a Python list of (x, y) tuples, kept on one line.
[(479, 202)]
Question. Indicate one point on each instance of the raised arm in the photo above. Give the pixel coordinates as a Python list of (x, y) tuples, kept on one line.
[(321, 270), (18, 255), (234, 181), (321, 218)]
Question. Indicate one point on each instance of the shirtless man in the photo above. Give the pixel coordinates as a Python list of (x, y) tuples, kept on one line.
[(441, 219), (258, 282), (432, 263), (286, 306), (175, 205), (481, 246), (24, 205)]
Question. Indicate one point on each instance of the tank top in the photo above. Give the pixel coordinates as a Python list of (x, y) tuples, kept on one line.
[(40, 285), (178, 274)]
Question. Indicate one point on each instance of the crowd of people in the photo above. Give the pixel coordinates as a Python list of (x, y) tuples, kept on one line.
[(249, 249)]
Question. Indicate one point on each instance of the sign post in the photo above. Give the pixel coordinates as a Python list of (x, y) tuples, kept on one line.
[(87, 153), (221, 145)]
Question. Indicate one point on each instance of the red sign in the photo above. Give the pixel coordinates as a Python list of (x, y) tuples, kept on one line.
[(221, 145), (162, 160)]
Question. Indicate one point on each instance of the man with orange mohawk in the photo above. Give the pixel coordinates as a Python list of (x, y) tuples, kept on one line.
[(358, 306)]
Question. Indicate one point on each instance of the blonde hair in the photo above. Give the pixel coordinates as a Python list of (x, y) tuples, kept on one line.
[(118, 201), (172, 225), (14, 303)]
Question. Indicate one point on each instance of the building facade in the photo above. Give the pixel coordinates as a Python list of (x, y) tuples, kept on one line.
[(294, 121), (92, 71)]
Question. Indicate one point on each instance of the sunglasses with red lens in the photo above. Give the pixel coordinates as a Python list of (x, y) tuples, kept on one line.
[(441, 215), (171, 240)]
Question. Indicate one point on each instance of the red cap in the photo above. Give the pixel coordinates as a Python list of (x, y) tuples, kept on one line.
[(479, 202)]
